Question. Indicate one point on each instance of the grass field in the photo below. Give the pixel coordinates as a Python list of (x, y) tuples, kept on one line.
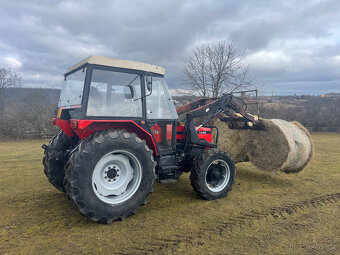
[(281, 214)]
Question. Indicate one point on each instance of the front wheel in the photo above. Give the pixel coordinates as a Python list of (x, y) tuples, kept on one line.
[(109, 175), (213, 174)]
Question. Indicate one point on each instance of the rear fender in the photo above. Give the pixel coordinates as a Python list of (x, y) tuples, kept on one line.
[(64, 125), (85, 128)]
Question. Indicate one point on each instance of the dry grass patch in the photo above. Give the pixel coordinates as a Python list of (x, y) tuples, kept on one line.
[(264, 213)]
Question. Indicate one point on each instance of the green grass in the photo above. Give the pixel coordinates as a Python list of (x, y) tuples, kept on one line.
[(281, 214)]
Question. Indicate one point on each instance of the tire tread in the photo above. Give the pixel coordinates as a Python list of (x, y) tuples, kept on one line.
[(87, 146), (199, 168)]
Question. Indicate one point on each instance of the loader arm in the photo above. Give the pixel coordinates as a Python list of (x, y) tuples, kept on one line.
[(228, 108)]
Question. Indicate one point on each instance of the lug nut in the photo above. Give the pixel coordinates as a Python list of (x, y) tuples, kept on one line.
[(117, 175), (105, 177)]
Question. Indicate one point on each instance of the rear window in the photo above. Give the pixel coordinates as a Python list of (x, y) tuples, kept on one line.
[(72, 90)]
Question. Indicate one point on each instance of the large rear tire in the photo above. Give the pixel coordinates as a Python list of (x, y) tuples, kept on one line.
[(55, 158), (213, 174), (109, 175)]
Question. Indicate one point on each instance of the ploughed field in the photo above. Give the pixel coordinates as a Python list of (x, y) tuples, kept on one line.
[(264, 213)]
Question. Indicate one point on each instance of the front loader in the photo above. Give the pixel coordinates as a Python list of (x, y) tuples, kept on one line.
[(120, 131)]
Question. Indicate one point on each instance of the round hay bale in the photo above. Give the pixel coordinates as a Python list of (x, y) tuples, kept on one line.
[(269, 148), (285, 146), (282, 145)]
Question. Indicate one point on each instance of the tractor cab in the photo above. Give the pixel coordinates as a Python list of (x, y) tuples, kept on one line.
[(120, 93)]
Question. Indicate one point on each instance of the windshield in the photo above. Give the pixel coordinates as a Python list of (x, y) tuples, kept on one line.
[(72, 90), (159, 104), (115, 94)]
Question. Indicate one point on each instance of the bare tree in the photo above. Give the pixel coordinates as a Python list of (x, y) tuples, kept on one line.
[(8, 78), (196, 70), (216, 68)]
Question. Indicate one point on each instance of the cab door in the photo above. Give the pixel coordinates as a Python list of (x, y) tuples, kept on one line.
[(161, 114)]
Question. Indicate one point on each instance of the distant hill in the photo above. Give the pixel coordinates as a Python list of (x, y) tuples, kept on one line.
[(25, 95)]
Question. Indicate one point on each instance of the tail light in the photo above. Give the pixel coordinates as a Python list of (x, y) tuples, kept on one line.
[(59, 112)]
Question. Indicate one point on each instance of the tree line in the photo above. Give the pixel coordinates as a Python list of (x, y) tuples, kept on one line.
[(314, 112), (27, 113)]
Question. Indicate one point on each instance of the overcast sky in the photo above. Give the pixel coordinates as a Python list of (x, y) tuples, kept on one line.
[(291, 46)]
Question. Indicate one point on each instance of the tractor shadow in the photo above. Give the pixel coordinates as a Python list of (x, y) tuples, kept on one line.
[(182, 195), (244, 175), (255, 176)]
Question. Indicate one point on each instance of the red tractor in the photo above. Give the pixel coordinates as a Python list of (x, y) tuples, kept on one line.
[(120, 131)]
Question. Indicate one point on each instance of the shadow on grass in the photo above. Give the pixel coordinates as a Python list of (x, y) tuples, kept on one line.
[(260, 177)]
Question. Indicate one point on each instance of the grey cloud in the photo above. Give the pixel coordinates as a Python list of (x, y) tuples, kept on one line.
[(282, 20), (49, 36)]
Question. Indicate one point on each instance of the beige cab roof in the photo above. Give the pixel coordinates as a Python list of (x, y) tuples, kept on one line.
[(104, 61)]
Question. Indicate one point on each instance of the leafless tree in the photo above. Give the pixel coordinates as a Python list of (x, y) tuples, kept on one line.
[(196, 70), (216, 68), (8, 78)]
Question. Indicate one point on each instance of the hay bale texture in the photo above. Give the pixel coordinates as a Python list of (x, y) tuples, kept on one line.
[(268, 148), (234, 141), (282, 145)]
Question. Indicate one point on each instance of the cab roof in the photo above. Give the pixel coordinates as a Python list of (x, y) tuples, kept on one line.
[(113, 62)]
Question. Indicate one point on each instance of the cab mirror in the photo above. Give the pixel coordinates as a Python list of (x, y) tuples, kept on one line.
[(148, 83), (128, 92)]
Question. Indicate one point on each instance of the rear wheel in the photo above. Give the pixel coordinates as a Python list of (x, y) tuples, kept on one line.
[(213, 174), (109, 175), (56, 156)]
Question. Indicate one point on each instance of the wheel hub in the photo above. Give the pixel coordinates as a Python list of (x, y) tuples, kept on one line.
[(112, 173), (214, 175)]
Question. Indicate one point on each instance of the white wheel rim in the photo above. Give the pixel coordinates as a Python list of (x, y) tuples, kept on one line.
[(221, 171), (116, 177)]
